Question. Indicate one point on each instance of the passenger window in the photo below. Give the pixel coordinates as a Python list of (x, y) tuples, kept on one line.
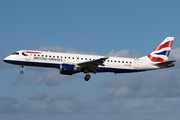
[(122, 61), (69, 57), (49, 56), (72, 57), (34, 54), (126, 61), (57, 56), (81, 58), (46, 55), (119, 61)]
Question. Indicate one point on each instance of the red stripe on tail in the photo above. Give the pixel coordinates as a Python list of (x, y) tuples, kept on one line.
[(156, 59), (167, 44)]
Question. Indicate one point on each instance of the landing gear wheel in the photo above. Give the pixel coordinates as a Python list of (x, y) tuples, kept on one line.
[(21, 72), (87, 77)]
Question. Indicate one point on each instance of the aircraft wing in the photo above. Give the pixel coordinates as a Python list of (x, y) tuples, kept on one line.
[(92, 65)]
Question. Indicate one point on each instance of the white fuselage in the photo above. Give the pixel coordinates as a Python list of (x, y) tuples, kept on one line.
[(55, 59), (69, 64)]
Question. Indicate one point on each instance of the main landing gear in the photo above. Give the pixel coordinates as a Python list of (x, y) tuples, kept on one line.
[(87, 77), (22, 68)]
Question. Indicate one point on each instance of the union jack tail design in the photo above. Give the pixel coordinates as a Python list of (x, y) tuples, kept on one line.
[(161, 53)]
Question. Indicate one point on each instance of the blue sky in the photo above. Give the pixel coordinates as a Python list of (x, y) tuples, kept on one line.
[(131, 28)]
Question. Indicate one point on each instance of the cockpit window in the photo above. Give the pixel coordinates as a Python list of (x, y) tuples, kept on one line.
[(15, 53)]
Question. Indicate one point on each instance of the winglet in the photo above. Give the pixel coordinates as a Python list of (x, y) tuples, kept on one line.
[(109, 54)]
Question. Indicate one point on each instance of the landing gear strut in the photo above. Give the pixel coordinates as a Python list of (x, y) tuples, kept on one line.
[(22, 67), (87, 77)]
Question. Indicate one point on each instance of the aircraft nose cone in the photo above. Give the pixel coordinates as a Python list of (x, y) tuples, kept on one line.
[(6, 59)]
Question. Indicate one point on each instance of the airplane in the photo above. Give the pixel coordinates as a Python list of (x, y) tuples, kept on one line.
[(69, 64)]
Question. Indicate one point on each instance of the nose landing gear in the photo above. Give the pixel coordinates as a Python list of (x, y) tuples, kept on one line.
[(21, 71), (22, 67)]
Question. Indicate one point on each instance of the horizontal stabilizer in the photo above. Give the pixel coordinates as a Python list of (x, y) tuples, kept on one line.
[(166, 64)]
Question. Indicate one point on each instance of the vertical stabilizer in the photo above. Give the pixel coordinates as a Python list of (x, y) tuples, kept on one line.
[(161, 53)]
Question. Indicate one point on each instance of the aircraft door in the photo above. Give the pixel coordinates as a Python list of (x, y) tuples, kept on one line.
[(28, 57), (136, 63)]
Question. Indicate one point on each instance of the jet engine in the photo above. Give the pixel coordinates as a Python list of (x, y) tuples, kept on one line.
[(68, 69)]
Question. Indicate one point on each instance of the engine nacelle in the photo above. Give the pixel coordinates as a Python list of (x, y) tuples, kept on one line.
[(68, 69)]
